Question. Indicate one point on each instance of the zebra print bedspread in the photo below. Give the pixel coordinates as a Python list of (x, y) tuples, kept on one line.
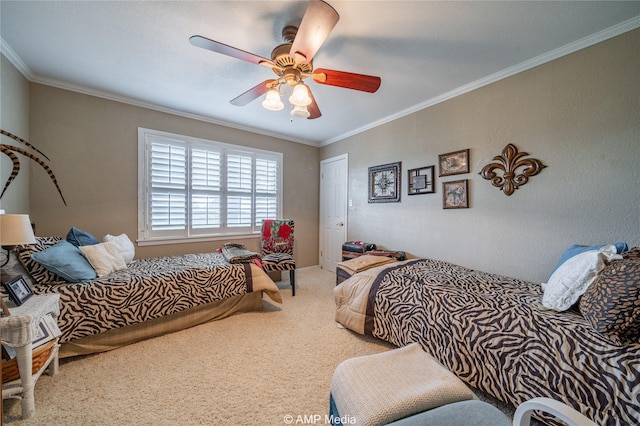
[(494, 333), (151, 288)]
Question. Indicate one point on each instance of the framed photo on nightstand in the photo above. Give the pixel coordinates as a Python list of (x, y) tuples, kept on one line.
[(19, 290)]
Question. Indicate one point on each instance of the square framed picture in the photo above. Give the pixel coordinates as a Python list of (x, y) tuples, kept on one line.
[(455, 194), (19, 290), (454, 163), (421, 180), (384, 183)]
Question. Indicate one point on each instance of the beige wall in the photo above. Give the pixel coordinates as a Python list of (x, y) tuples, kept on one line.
[(579, 114), (14, 118), (92, 143)]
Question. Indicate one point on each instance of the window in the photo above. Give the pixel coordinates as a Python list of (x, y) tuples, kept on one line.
[(195, 189)]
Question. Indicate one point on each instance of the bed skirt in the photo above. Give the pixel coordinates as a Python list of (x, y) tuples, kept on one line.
[(123, 336)]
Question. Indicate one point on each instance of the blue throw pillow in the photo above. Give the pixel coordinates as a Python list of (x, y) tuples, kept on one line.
[(577, 249), (65, 260), (78, 237)]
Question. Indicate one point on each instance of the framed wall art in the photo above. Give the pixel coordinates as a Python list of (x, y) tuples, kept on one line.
[(454, 163), (384, 183), (455, 194), (421, 181)]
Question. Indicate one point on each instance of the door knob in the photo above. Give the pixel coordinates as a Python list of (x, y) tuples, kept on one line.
[(340, 223)]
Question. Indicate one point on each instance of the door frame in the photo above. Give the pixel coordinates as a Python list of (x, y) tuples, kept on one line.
[(345, 157)]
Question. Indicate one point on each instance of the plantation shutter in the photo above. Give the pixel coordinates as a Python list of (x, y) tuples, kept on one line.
[(239, 190), (266, 189), (196, 189), (168, 184), (206, 170)]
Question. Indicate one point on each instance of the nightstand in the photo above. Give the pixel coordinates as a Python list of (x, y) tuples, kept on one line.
[(17, 331)]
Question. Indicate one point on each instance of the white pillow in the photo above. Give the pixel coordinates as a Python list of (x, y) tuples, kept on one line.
[(124, 244), (574, 276), (104, 257)]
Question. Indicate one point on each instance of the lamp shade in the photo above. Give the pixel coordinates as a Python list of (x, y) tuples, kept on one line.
[(15, 229)]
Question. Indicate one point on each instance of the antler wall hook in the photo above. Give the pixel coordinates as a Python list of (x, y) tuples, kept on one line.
[(509, 162), (10, 150)]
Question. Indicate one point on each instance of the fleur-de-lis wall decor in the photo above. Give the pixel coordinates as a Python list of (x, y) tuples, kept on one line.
[(10, 151), (509, 162)]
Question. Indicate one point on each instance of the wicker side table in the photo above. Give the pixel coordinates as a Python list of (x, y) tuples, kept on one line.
[(17, 331)]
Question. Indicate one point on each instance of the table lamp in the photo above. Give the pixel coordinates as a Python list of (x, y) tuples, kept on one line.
[(15, 229)]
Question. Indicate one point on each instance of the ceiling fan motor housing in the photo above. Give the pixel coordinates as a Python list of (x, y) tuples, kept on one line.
[(282, 58)]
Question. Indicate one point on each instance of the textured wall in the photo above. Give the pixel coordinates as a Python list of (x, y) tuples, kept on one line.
[(579, 114), (14, 118), (93, 145)]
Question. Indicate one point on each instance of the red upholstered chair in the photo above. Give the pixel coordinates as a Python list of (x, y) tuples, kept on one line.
[(277, 248)]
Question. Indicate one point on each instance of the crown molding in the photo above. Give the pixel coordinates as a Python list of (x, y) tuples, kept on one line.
[(148, 105), (565, 50), (616, 30), (15, 60)]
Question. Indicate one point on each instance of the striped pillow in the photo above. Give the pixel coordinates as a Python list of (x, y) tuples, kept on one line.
[(38, 272), (610, 304)]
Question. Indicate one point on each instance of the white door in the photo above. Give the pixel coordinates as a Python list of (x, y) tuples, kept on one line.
[(333, 210)]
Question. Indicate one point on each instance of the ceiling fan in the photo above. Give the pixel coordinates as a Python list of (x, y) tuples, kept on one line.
[(292, 62)]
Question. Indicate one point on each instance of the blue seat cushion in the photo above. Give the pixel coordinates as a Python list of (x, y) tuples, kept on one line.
[(463, 413)]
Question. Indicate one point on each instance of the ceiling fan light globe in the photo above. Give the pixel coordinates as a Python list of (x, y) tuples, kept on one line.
[(272, 101), (300, 111), (300, 95)]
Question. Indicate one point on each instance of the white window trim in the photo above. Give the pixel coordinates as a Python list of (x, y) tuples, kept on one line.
[(143, 189)]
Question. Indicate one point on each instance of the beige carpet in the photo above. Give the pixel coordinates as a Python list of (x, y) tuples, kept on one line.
[(249, 369)]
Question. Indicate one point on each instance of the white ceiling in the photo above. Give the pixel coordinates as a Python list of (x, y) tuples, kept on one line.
[(424, 51)]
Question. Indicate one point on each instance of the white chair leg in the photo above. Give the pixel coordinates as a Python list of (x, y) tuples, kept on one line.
[(572, 417)]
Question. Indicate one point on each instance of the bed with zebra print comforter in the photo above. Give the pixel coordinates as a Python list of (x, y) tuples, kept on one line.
[(493, 332), (152, 288)]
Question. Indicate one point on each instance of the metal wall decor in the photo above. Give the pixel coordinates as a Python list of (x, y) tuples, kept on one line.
[(421, 181), (509, 162), (384, 183)]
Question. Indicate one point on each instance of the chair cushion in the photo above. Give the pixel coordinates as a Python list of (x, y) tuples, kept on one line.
[(463, 413), (278, 262), (381, 388)]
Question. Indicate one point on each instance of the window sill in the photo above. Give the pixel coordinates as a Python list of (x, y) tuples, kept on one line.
[(181, 240)]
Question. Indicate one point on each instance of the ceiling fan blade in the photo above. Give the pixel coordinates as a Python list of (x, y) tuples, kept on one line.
[(317, 22), (251, 94), (348, 80), (216, 46), (314, 110)]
